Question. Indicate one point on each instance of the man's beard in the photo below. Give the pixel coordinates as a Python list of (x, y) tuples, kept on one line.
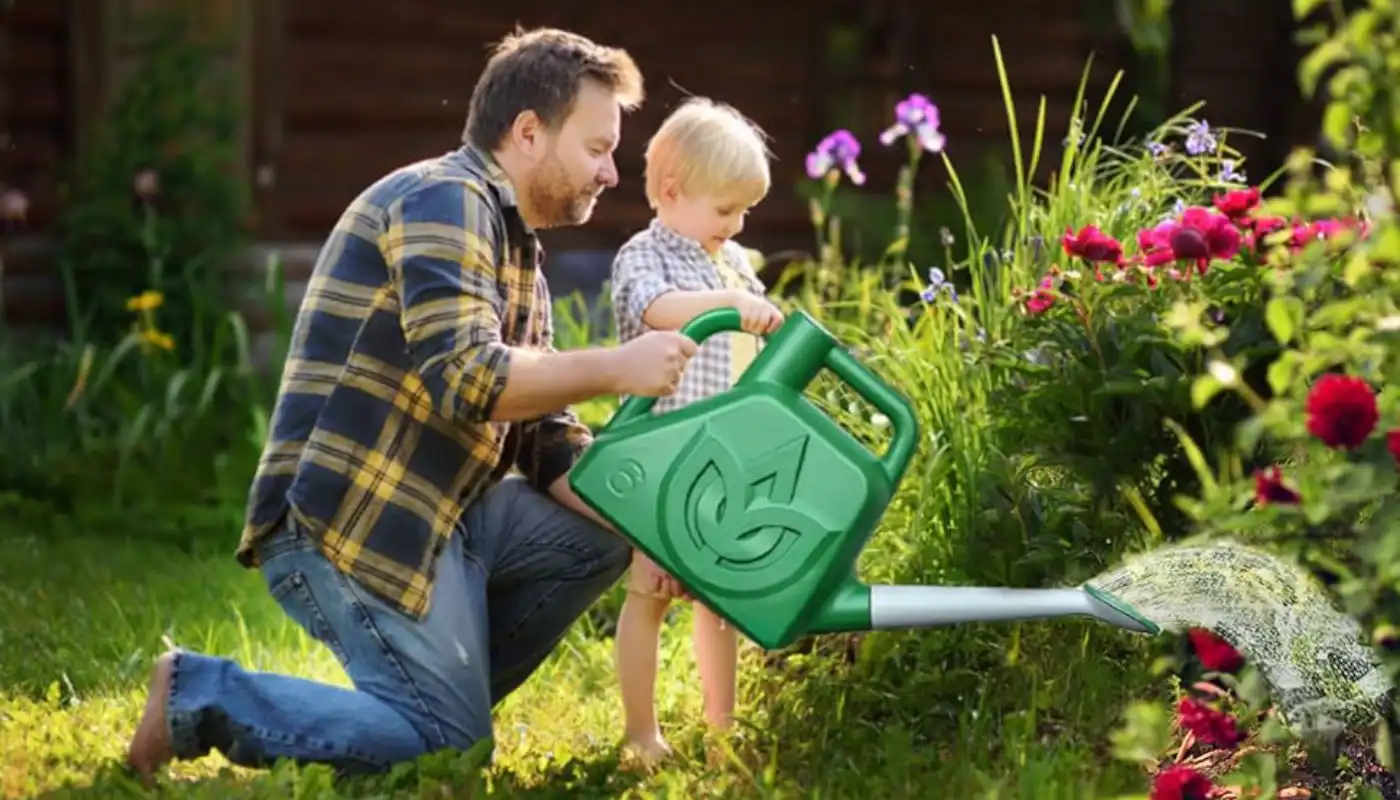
[(555, 200)]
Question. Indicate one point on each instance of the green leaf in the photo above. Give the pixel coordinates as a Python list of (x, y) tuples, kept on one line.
[(1302, 8), (1336, 123), (1194, 456), (1282, 372), (1384, 751), (1357, 269), (1317, 61), (1273, 731), (1144, 734), (1385, 242), (1284, 316), (1203, 389)]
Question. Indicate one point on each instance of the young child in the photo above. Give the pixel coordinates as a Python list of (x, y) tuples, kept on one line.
[(706, 166)]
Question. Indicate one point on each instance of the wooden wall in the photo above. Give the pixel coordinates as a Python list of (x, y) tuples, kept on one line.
[(1241, 61), (345, 119), (338, 99), (35, 135)]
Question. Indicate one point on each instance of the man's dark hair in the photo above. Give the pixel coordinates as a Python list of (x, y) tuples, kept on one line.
[(541, 71)]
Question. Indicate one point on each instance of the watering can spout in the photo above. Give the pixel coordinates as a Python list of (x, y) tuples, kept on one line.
[(908, 607)]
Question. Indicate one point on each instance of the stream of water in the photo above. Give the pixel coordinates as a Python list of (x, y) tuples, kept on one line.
[(1320, 675)]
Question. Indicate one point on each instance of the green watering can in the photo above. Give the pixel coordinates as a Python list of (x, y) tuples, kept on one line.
[(760, 504)]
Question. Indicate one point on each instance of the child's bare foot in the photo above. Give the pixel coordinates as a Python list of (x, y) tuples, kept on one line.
[(150, 746), (648, 749)]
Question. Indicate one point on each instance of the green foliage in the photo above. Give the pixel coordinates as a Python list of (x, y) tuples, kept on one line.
[(155, 201), (1333, 309), (153, 395)]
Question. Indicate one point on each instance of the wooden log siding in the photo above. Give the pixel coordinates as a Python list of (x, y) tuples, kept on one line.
[(341, 134), (1240, 59), (341, 99), (35, 137)]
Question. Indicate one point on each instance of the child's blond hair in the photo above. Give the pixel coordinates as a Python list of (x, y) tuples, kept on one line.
[(708, 147)]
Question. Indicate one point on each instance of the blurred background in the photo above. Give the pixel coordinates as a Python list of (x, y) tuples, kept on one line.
[(316, 98)]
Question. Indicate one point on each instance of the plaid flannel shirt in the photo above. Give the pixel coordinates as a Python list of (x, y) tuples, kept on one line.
[(657, 260), (382, 431)]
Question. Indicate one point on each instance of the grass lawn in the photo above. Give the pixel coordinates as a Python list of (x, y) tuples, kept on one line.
[(85, 616)]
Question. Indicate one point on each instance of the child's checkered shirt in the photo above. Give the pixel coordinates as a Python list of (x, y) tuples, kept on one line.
[(658, 260)]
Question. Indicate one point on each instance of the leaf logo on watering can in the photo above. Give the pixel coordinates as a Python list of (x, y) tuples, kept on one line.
[(736, 525)]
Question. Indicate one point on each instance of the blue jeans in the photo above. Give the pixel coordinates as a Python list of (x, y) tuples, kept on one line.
[(518, 572)]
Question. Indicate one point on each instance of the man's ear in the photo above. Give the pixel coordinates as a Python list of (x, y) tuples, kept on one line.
[(527, 133)]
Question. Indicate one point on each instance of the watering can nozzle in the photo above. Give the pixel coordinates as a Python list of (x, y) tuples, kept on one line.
[(906, 607)]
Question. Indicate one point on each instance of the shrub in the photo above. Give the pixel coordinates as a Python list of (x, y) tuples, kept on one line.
[(1312, 471), (1149, 307), (152, 396)]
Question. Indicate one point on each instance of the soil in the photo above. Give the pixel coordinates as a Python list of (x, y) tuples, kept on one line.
[(1364, 769)]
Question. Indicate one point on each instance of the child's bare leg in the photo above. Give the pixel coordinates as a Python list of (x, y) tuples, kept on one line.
[(638, 632), (717, 653)]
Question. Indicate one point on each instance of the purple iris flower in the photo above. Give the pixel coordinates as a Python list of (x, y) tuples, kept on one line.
[(916, 116), (838, 151)]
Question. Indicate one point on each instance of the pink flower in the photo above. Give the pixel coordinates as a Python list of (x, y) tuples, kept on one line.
[(14, 206), (1198, 235), (1042, 298), (1155, 244), (1203, 235)]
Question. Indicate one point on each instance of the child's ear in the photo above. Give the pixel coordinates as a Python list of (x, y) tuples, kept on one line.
[(670, 190)]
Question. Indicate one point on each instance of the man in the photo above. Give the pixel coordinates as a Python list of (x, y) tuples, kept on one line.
[(420, 371)]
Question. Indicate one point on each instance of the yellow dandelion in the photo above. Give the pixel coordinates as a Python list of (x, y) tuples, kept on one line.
[(155, 338), (148, 300)]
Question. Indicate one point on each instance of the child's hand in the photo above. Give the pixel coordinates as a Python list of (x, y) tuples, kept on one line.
[(654, 579), (757, 315)]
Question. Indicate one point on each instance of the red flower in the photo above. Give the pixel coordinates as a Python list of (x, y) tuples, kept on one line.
[(1216, 654), (1258, 228), (1392, 443), (1341, 411), (1212, 727), (1270, 488), (1237, 203), (1043, 297), (1093, 245), (1180, 782), (1263, 226)]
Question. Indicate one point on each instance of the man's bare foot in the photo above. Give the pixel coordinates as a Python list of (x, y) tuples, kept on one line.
[(150, 746), (648, 750)]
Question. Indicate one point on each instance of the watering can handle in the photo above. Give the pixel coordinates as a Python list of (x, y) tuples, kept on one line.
[(702, 327), (887, 401), (870, 386)]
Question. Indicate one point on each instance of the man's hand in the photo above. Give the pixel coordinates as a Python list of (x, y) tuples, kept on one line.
[(651, 365), (758, 315)]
